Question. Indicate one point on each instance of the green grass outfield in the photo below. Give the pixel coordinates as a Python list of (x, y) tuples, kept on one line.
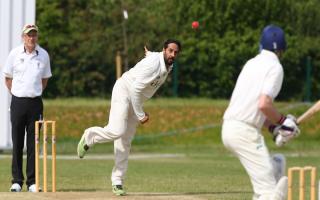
[(178, 155)]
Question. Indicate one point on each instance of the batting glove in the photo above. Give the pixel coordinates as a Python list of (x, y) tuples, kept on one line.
[(291, 122), (282, 134)]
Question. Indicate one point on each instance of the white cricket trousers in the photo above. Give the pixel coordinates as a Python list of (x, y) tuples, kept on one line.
[(120, 129), (247, 143)]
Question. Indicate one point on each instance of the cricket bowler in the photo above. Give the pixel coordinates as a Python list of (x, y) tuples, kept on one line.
[(128, 95)]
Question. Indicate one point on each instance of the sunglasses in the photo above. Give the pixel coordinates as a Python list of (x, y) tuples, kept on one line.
[(30, 26)]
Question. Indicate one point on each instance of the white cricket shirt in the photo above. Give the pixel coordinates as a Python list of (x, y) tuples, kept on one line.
[(262, 74), (144, 79), (27, 71)]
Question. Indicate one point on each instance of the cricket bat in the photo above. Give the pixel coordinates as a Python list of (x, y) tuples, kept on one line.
[(309, 113)]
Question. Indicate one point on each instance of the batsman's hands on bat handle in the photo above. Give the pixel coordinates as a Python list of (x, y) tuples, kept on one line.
[(145, 119), (283, 134), (291, 122)]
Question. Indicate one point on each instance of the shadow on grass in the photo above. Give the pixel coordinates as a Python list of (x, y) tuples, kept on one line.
[(78, 190), (187, 193)]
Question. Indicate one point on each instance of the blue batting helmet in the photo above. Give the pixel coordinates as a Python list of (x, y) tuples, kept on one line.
[(272, 38)]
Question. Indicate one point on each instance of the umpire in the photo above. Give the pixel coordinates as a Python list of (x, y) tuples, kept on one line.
[(26, 71)]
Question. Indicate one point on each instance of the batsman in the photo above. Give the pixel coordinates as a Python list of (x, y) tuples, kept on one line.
[(128, 95), (251, 107)]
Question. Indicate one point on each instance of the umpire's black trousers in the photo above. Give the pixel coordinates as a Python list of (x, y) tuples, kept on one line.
[(24, 112)]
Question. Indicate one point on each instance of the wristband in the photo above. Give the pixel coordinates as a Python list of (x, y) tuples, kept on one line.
[(282, 119)]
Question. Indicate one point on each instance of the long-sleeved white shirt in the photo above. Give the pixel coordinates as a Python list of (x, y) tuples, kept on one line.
[(144, 79), (262, 74)]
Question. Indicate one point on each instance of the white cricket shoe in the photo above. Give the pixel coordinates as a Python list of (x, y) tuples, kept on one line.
[(32, 188), (15, 188)]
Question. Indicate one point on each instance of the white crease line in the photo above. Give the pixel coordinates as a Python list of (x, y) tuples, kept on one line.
[(109, 156)]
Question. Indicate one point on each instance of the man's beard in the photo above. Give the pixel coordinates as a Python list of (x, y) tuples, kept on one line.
[(169, 61)]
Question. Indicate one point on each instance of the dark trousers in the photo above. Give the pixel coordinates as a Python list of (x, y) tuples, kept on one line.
[(24, 112)]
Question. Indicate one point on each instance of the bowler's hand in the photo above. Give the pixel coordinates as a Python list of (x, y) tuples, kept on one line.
[(145, 119)]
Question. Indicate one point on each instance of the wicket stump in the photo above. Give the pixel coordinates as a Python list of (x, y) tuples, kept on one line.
[(37, 151), (301, 171)]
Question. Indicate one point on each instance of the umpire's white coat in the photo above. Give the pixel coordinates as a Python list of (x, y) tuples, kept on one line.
[(241, 130), (128, 94)]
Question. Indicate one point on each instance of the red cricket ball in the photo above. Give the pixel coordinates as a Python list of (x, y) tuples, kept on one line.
[(195, 24)]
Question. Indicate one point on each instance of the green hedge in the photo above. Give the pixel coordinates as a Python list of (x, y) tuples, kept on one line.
[(82, 38)]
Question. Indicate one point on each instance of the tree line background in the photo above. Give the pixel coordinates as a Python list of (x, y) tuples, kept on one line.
[(82, 38)]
